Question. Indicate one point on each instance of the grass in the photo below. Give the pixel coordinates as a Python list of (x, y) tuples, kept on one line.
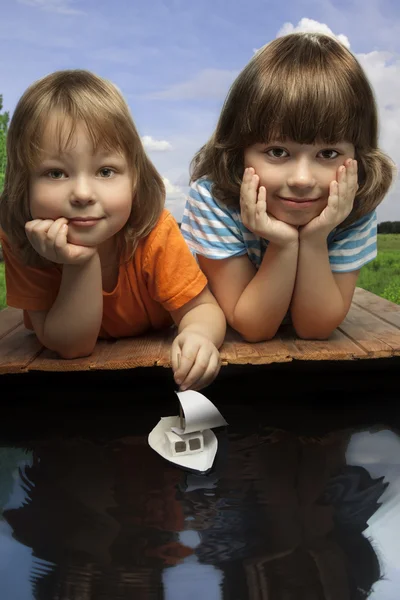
[(381, 276)]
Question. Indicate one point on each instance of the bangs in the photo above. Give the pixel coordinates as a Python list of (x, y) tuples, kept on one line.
[(106, 120), (302, 87), (306, 109)]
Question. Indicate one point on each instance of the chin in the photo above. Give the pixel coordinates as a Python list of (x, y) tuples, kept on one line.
[(82, 240), (296, 220)]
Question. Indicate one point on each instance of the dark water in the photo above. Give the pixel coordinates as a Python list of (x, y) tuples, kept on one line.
[(282, 516)]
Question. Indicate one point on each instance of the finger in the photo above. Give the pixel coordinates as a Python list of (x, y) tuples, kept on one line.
[(37, 234), (353, 176), (175, 355), (248, 192), (199, 368), (38, 225), (188, 357), (60, 240), (210, 374), (342, 183), (55, 228), (333, 199), (261, 206)]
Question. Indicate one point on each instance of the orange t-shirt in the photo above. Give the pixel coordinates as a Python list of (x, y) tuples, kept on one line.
[(162, 276)]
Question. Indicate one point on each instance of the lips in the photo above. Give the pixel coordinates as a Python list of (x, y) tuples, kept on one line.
[(300, 199), (84, 219)]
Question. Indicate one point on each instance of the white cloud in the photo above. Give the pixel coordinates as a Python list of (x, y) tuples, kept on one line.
[(209, 83), (155, 145), (63, 7), (310, 26), (175, 198)]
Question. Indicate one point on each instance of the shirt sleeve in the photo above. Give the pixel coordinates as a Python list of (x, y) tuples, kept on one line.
[(173, 277), (27, 287), (351, 248), (211, 229)]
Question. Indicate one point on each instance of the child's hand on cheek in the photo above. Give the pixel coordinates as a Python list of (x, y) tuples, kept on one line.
[(195, 360), (340, 202), (253, 209), (49, 239)]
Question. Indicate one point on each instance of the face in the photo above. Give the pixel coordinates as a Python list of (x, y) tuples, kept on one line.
[(92, 190), (297, 176)]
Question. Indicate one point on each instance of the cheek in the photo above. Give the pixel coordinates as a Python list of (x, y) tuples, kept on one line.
[(42, 204)]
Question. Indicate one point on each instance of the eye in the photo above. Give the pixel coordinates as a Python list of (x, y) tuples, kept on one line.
[(106, 172), (329, 154), (55, 174), (277, 152)]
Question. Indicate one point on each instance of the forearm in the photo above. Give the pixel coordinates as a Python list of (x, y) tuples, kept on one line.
[(73, 323), (206, 319), (265, 301), (317, 306)]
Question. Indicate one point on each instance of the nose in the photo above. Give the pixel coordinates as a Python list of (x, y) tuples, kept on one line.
[(82, 192), (301, 174)]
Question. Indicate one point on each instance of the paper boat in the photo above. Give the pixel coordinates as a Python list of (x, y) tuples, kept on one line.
[(187, 440)]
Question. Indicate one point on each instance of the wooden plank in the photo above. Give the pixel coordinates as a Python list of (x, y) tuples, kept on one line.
[(337, 347), (385, 310), (235, 351), (10, 318), (17, 350), (49, 360), (144, 351), (377, 337)]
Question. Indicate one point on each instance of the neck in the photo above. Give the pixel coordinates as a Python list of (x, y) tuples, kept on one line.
[(108, 252)]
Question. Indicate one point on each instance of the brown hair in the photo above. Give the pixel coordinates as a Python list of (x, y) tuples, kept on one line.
[(305, 87), (78, 96)]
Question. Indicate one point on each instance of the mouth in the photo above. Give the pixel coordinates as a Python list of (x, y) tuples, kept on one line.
[(84, 221), (299, 202)]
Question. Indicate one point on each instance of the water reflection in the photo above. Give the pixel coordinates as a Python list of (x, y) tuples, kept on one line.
[(279, 518)]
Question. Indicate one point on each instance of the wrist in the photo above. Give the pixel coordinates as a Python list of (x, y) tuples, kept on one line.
[(316, 237), (92, 262), (287, 244)]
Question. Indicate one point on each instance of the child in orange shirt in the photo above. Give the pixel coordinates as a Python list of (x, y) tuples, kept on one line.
[(89, 248)]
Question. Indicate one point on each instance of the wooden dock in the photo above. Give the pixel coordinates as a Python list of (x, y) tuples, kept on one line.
[(370, 331)]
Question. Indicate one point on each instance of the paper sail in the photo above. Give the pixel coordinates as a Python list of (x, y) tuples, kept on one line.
[(194, 446)]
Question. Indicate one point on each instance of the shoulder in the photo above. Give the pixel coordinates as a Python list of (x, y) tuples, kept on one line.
[(201, 197), (165, 229)]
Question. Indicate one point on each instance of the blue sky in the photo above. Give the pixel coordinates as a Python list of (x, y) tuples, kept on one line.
[(174, 61)]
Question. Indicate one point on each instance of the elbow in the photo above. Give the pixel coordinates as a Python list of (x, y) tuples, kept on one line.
[(317, 328), (311, 331), (252, 335), (71, 353), (253, 332), (254, 338)]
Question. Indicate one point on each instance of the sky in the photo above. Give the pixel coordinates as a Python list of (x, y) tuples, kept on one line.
[(174, 61)]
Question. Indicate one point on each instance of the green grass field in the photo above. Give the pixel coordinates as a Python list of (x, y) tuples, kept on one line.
[(381, 276)]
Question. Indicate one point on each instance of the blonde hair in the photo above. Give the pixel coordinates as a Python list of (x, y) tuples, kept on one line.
[(305, 87), (77, 96)]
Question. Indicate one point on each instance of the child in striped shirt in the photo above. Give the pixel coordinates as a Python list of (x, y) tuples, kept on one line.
[(281, 209)]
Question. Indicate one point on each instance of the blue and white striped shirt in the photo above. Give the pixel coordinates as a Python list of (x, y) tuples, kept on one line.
[(216, 231)]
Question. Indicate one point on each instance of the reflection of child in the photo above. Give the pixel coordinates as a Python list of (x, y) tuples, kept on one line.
[(90, 249), (286, 520), (281, 207)]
